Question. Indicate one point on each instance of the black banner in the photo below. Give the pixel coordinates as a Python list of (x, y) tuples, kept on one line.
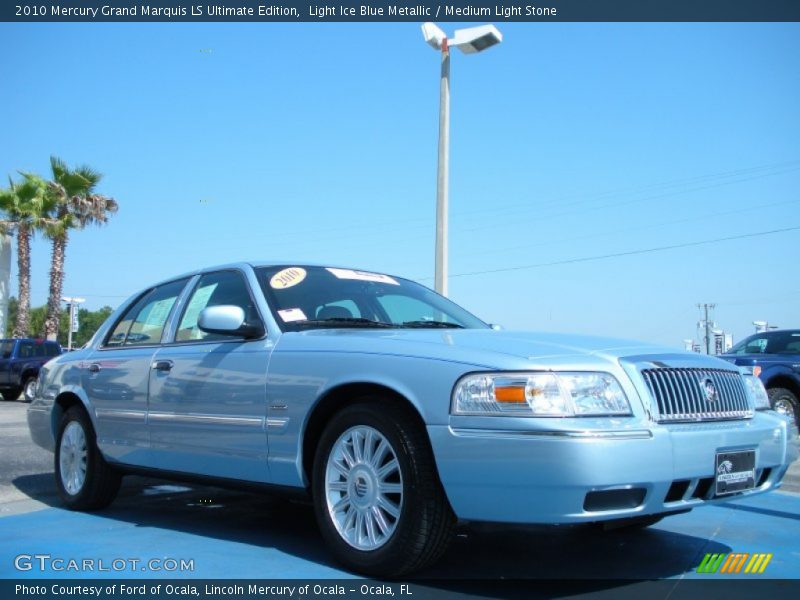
[(410, 10), (359, 589)]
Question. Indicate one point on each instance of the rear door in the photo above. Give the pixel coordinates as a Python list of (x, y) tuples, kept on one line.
[(207, 407), (116, 375)]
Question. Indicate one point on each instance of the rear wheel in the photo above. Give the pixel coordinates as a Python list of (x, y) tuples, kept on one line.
[(785, 402), (377, 497), (11, 394), (83, 478)]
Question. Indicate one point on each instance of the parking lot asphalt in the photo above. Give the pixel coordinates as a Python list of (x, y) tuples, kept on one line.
[(228, 534)]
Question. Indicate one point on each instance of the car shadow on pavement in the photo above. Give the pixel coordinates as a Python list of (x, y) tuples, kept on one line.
[(598, 559)]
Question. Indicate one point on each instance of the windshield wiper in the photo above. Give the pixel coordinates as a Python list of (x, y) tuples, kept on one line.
[(343, 322), (432, 324)]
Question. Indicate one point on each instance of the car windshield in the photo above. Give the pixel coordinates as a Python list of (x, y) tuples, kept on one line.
[(303, 297), (777, 342)]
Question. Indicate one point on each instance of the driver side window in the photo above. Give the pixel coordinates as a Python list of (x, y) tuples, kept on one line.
[(214, 289)]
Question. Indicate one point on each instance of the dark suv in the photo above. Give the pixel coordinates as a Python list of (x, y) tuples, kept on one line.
[(775, 358), (20, 360)]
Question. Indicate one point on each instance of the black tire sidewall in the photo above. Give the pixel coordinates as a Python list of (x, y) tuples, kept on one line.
[(11, 394), (83, 497), (393, 551)]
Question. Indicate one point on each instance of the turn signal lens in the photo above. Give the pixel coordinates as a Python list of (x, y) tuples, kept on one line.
[(510, 395)]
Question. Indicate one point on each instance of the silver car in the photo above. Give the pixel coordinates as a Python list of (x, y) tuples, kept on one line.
[(396, 411)]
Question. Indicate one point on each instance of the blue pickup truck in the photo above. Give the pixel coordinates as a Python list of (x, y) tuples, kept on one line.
[(774, 357), (20, 360)]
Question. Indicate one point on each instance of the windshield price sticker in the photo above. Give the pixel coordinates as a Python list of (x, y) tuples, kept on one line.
[(287, 278), (292, 314), (363, 276)]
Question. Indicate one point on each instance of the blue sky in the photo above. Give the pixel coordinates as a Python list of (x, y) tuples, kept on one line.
[(317, 142)]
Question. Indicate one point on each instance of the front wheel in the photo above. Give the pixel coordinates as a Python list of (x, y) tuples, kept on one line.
[(377, 497), (84, 480), (783, 401)]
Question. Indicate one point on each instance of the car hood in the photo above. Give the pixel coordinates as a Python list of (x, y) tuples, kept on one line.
[(486, 347)]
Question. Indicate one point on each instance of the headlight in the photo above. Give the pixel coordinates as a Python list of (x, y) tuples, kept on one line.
[(757, 392), (540, 395)]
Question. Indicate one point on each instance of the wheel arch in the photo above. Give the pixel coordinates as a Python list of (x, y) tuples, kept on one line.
[(26, 373), (338, 398), (783, 380), (65, 400)]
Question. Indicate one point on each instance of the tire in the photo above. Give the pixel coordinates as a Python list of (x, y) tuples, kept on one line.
[(11, 394), (83, 478), (29, 389), (785, 402), (403, 528)]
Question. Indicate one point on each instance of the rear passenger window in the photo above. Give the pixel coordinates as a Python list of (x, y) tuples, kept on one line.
[(144, 322)]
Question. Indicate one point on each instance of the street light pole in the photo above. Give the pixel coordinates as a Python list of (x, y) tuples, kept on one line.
[(470, 41), (440, 276)]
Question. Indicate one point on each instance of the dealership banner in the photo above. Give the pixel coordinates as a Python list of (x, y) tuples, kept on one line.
[(392, 10), (358, 589)]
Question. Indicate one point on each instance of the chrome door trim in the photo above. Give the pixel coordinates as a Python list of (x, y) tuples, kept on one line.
[(252, 422)]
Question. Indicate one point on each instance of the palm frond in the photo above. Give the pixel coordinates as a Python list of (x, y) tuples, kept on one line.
[(59, 168)]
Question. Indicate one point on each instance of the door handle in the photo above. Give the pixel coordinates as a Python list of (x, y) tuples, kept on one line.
[(162, 365), (94, 368)]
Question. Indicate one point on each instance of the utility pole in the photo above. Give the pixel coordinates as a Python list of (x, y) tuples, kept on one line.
[(707, 325)]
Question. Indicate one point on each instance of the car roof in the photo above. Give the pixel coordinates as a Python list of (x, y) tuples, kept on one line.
[(777, 332), (259, 263)]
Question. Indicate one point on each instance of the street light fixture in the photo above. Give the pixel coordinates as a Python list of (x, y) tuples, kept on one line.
[(470, 41)]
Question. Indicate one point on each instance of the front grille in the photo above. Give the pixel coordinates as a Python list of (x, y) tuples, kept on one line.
[(697, 394)]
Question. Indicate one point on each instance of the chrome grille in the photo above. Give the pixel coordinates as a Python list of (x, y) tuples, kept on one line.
[(683, 394)]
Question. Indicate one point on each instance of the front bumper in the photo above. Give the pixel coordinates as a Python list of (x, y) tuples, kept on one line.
[(517, 472)]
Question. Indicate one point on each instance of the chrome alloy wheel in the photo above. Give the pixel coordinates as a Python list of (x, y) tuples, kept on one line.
[(30, 389), (72, 458), (783, 405), (364, 488)]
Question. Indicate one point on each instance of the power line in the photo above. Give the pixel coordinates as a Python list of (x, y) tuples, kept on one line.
[(637, 227), (540, 217), (627, 253)]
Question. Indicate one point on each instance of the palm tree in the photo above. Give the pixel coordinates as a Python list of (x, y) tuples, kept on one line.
[(25, 206), (77, 205)]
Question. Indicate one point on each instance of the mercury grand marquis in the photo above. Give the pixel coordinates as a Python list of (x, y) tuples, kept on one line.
[(396, 412)]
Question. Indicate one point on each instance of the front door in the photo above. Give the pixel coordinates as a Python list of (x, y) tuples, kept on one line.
[(207, 409)]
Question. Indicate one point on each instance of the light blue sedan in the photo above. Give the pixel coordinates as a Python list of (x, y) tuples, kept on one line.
[(397, 412)]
